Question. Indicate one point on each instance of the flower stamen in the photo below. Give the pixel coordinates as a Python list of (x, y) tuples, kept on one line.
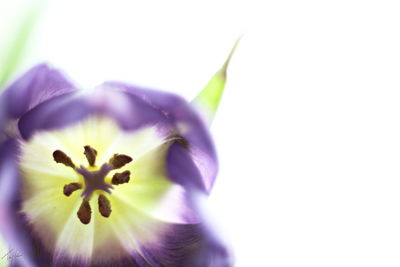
[(94, 180), (85, 212), (119, 160), (61, 157), (90, 154), (104, 206), (121, 178), (70, 188)]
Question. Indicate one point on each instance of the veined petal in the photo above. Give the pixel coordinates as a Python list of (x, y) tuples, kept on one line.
[(152, 192), (187, 124), (34, 87), (181, 166), (129, 111), (11, 225), (38, 85), (57, 112), (187, 245)]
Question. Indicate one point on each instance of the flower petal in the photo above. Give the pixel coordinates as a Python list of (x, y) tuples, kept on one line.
[(152, 192), (11, 225), (186, 245), (187, 124), (129, 111), (36, 86), (181, 168), (57, 112)]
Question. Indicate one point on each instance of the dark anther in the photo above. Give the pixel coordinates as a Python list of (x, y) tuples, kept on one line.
[(119, 160), (61, 157), (70, 188), (90, 154), (182, 141), (121, 178), (85, 212), (104, 206)]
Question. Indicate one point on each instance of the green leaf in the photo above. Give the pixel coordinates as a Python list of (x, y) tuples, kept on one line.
[(13, 52), (207, 101)]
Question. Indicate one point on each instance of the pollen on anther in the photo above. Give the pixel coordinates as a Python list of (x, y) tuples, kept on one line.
[(90, 154), (104, 206), (61, 157), (70, 188), (119, 160), (85, 212), (121, 178)]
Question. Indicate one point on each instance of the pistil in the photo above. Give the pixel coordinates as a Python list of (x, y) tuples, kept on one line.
[(95, 180)]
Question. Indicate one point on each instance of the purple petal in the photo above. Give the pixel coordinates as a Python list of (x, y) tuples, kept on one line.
[(178, 206), (11, 224), (187, 245), (180, 167), (65, 260), (57, 112), (188, 124), (123, 262), (34, 87), (129, 111)]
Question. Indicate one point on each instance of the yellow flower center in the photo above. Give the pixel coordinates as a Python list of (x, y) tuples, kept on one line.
[(94, 180), (127, 200)]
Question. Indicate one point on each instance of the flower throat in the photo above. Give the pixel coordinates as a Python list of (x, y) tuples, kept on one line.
[(94, 178)]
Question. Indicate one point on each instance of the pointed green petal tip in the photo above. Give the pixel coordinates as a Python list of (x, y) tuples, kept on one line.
[(12, 54), (207, 101)]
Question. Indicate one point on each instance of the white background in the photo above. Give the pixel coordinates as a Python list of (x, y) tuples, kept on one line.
[(308, 130)]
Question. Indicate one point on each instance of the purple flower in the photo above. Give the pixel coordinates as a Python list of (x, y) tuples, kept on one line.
[(104, 177)]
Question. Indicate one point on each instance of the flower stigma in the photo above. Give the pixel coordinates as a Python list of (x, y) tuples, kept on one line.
[(94, 179)]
